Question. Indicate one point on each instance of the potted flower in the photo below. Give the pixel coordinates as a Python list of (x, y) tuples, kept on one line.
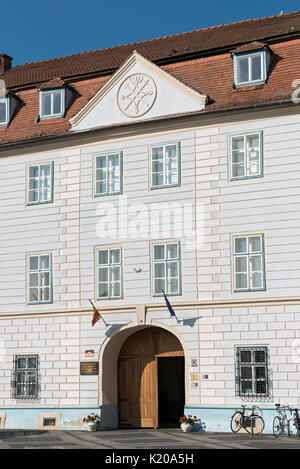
[(187, 422), (91, 421)]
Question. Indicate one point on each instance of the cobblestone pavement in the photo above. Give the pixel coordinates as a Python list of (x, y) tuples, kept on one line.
[(142, 439)]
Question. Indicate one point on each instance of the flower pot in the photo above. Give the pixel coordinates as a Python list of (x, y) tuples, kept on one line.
[(91, 426), (186, 427)]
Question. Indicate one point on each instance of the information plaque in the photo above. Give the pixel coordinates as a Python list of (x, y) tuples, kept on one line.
[(89, 368)]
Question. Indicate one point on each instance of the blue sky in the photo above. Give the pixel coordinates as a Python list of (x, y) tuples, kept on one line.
[(33, 30)]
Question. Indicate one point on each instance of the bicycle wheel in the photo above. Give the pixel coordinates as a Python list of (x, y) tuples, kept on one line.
[(257, 424), (236, 422), (276, 426)]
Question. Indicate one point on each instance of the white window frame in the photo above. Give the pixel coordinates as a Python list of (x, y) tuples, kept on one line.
[(5, 100), (39, 189), (248, 255), (165, 171), (39, 271), (250, 56), (165, 261), (247, 156), (108, 179), (52, 92), (109, 266)]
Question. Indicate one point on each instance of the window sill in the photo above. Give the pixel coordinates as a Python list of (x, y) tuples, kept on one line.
[(250, 87)]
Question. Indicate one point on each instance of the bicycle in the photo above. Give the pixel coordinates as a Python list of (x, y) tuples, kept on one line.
[(281, 423), (253, 423), (296, 421)]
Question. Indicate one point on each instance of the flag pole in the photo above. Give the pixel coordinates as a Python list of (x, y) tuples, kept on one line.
[(95, 309)]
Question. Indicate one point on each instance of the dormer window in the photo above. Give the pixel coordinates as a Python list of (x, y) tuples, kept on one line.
[(250, 67), (52, 103), (4, 110)]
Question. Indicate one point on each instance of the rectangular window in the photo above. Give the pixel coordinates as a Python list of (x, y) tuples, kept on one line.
[(108, 174), (4, 111), (252, 371), (246, 156), (40, 184), (250, 68), (52, 103), (25, 373), (165, 166), (249, 264), (166, 269), (109, 273), (39, 278)]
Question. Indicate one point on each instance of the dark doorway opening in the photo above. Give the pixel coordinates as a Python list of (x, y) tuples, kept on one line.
[(170, 390)]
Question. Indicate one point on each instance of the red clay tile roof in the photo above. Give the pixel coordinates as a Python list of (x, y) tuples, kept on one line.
[(199, 41), (210, 74)]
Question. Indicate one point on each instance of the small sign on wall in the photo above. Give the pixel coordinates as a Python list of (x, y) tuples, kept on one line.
[(194, 362), (194, 384), (89, 368)]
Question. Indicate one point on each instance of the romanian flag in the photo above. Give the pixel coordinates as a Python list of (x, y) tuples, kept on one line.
[(96, 314)]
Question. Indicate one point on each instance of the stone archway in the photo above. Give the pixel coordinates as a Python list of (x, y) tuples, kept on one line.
[(108, 376)]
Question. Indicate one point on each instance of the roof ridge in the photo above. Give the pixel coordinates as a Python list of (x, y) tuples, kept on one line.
[(158, 38)]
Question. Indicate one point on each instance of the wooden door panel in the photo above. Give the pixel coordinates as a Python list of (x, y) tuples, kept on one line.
[(138, 392)]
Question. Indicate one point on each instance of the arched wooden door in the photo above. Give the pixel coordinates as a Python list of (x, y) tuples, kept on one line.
[(138, 378)]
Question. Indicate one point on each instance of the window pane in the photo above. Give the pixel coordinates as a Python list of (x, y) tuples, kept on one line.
[(241, 281), (103, 275), (260, 372), (238, 143), (2, 112), (240, 264), (157, 153), (33, 294), (243, 70), (46, 104), (240, 245), (34, 172), (44, 262), (159, 252), (261, 387), (246, 387), (256, 280), (158, 179), (103, 257), (116, 289), (157, 166), (172, 269), (237, 156), (31, 362), (171, 151), (45, 294), (33, 184), (115, 274), (172, 285), (245, 356), (103, 290), (115, 256), (238, 170), (45, 170), (256, 67), (255, 244), (33, 263), (101, 187), (159, 270), (172, 178), (246, 372), (172, 251), (21, 363), (159, 285), (57, 101), (259, 356), (45, 279), (34, 280)]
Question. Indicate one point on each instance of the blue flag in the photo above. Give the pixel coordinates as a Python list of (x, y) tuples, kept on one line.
[(171, 310)]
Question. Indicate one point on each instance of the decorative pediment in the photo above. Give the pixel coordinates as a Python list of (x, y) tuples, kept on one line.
[(138, 90)]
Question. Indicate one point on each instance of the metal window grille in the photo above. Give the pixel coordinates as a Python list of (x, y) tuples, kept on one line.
[(25, 382), (252, 373), (49, 422)]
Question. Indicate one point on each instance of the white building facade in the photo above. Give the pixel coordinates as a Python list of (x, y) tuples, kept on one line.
[(148, 192)]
